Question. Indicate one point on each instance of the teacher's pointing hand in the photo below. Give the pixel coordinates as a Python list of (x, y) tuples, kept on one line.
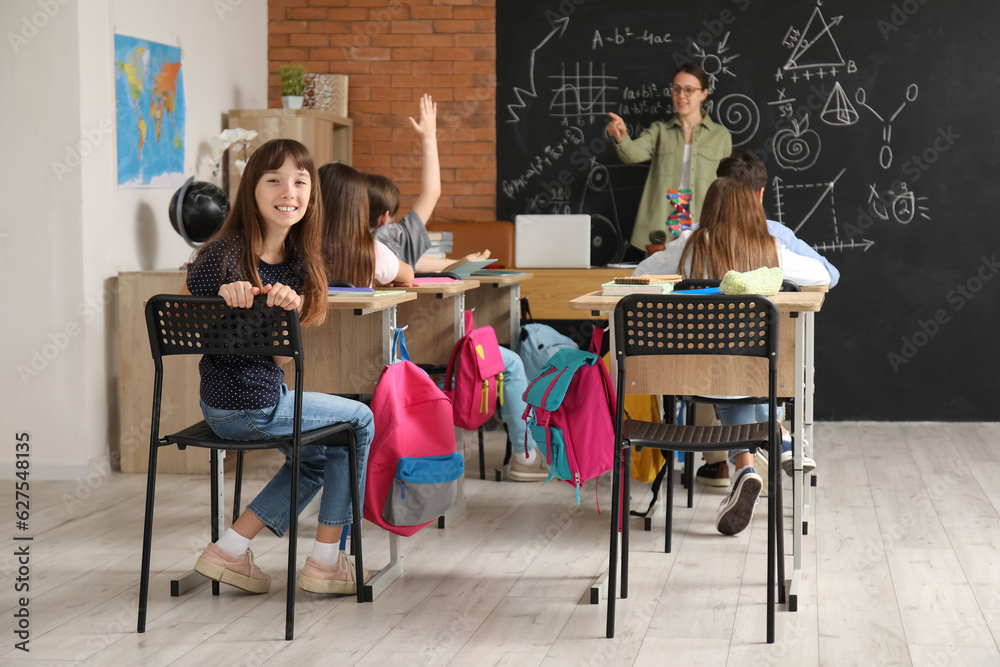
[(616, 128)]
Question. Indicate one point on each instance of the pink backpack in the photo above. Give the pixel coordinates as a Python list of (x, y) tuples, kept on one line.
[(475, 370), (570, 408), (412, 462)]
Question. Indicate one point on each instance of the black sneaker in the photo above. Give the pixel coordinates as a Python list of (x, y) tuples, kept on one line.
[(737, 510), (713, 474)]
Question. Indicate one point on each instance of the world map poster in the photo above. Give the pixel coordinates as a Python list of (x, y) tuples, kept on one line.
[(149, 89)]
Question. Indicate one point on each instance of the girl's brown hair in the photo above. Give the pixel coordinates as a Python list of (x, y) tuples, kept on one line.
[(348, 244), (305, 238), (732, 234)]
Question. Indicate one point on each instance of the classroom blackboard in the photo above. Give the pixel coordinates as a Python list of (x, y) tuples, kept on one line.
[(875, 121)]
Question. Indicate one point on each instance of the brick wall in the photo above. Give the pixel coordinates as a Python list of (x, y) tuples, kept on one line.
[(394, 51)]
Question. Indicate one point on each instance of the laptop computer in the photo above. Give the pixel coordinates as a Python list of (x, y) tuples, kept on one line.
[(552, 241)]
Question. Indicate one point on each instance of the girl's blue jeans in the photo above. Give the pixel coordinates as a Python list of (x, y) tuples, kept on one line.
[(731, 415), (320, 466)]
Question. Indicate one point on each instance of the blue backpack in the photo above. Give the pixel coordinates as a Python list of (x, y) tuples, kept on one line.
[(537, 345)]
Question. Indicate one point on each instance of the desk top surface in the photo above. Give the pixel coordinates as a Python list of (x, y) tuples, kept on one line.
[(379, 302), (442, 288), (503, 280), (786, 301)]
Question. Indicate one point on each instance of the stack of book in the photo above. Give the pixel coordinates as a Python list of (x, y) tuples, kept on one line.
[(441, 243), (640, 285)]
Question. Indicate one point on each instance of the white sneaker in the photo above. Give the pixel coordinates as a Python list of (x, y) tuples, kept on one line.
[(737, 510), (788, 464)]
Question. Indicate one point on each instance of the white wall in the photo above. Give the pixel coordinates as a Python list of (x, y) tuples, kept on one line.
[(69, 234)]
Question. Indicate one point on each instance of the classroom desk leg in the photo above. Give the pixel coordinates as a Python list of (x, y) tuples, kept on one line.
[(192, 579), (388, 574), (459, 506), (515, 316), (801, 407), (808, 442)]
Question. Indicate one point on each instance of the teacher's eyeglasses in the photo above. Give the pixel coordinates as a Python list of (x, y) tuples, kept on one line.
[(684, 90)]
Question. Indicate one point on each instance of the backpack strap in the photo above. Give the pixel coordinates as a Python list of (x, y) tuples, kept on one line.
[(657, 482), (450, 372), (398, 345), (469, 326), (596, 339)]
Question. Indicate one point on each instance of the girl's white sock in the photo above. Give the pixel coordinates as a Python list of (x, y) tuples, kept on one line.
[(324, 553), (233, 543)]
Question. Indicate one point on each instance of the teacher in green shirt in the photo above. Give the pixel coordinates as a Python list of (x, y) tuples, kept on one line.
[(684, 153)]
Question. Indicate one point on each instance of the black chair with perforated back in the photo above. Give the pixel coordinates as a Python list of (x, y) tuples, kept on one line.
[(672, 324), (179, 325), (690, 401)]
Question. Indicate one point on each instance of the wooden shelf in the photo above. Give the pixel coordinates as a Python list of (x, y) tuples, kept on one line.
[(327, 136)]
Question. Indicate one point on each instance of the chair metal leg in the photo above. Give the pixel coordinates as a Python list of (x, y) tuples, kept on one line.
[(238, 490), (779, 535), (482, 455), (616, 488), (359, 565), (626, 505), (668, 528), (147, 535), (214, 490), (293, 533), (772, 539), (689, 474)]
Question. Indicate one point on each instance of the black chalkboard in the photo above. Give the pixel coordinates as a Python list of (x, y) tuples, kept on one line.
[(875, 121)]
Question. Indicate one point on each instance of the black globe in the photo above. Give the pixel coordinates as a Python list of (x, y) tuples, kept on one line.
[(197, 210)]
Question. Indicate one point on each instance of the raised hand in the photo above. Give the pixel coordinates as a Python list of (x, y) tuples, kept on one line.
[(427, 127), (616, 128)]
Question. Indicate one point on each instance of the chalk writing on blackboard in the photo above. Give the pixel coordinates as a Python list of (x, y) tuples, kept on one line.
[(537, 164), (579, 96), (898, 203), (814, 48), (714, 63), (797, 147), (838, 110), (622, 36), (738, 114), (885, 153), (783, 189), (559, 27), (863, 245)]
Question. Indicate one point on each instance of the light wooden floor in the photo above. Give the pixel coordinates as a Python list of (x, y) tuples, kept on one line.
[(902, 567)]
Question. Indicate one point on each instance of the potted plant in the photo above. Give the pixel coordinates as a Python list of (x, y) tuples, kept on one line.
[(293, 86)]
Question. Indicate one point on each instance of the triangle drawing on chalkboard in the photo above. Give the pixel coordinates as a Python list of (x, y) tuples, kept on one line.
[(816, 47)]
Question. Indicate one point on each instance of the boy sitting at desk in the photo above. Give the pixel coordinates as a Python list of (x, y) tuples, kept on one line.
[(409, 241)]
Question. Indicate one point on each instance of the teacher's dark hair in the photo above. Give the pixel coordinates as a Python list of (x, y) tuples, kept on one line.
[(695, 71)]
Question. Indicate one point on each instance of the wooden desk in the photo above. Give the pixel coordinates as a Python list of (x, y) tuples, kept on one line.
[(435, 321), (722, 376), (551, 290), (497, 303), (333, 366)]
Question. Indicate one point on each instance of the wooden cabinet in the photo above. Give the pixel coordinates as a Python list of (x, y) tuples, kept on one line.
[(328, 137)]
